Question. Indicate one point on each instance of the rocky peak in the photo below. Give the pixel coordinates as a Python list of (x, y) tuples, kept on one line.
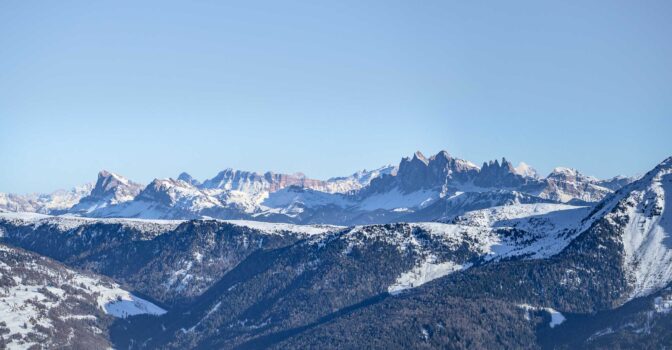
[(110, 188), (422, 173), (567, 184), (504, 175), (665, 164), (441, 155), (564, 172), (230, 179), (255, 183), (116, 185), (159, 190), (418, 156), (188, 179), (506, 164), (108, 182)]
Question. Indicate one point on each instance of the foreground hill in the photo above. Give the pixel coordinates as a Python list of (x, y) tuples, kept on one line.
[(46, 305)]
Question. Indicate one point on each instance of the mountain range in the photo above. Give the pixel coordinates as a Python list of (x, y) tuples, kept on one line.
[(418, 189), (433, 253)]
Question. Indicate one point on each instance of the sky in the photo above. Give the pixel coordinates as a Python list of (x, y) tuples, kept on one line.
[(151, 89)]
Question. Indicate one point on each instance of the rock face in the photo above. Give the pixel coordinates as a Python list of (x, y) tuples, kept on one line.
[(565, 184), (254, 183), (188, 179), (436, 173), (504, 175), (110, 189)]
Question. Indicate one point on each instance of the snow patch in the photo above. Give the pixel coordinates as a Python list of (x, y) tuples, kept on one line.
[(128, 304), (278, 228), (425, 272), (556, 317), (396, 199)]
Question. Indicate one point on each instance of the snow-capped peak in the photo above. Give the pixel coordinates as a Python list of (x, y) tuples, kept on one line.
[(571, 173), (108, 177), (524, 169), (564, 171), (110, 182), (110, 189), (188, 179)]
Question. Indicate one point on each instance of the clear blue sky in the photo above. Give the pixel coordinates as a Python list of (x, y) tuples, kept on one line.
[(328, 87)]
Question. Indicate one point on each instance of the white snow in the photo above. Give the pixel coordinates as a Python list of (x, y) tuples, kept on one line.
[(565, 171), (114, 300), (663, 304), (427, 271), (396, 199), (278, 228), (39, 295), (66, 222), (548, 228), (556, 317), (292, 196), (43, 203), (356, 181), (524, 169), (131, 305), (647, 237)]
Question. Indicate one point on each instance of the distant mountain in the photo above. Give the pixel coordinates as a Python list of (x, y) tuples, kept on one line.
[(566, 184), (419, 188), (55, 202), (524, 169), (188, 179), (110, 189), (357, 180)]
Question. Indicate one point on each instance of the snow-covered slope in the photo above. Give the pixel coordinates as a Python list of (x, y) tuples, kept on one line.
[(164, 199), (641, 214), (531, 231), (280, 228), (44, 304), (357, 180), (150, 228), (110, 189)]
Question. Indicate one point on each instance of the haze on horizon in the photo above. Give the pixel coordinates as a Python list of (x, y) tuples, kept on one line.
[(153, 89)]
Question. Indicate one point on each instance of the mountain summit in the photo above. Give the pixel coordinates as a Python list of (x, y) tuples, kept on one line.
[(110, 189)]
